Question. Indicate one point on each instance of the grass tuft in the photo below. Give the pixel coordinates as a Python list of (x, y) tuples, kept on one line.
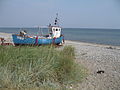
[(38, 67)]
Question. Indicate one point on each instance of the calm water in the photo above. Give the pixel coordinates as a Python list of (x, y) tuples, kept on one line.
[(100, 36)]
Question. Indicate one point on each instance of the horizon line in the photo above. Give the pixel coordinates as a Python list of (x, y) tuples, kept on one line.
[(62, 27)]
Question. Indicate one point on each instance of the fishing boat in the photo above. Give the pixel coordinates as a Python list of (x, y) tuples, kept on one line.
[(54, 36)]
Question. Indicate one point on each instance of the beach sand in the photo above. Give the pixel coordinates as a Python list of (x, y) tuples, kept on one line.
[(102, 62)]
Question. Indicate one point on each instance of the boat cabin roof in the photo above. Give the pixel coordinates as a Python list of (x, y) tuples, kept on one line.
[(55, 27)]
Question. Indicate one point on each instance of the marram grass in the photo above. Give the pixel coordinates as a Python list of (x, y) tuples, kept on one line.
[(38, 67)]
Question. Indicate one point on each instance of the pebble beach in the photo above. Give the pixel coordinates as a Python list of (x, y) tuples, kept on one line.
[(102, 62)]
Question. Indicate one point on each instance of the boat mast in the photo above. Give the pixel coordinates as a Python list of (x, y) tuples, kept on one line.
[(56, 20)]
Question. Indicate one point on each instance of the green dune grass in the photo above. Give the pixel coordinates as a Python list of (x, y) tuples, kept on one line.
[(38, 67)]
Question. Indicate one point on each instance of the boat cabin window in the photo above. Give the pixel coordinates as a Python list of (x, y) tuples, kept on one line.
[(53, 29), (56, 29)]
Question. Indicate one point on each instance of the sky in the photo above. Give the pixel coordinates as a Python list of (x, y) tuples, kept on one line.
[(72, 13)]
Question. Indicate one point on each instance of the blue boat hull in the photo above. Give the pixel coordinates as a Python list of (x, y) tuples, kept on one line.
[(18, 40)]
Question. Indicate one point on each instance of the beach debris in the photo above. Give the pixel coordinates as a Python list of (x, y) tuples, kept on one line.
[(2, 42), (69, 86), (110, 47), (100, 71), (83, 54)]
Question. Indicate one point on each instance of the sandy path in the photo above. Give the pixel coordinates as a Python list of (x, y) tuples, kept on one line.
[(96, 58)]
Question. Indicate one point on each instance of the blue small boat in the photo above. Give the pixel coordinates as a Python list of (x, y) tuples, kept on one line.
[(54, 37)]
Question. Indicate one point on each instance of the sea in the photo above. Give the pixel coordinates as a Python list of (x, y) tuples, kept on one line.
[(89, 35)]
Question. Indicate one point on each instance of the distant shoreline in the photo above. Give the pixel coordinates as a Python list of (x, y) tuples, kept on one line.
[(63, 28), (90, 43), (87, 35)]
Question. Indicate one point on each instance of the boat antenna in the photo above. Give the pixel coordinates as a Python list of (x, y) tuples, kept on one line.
[(40, 31), (56, 20)]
